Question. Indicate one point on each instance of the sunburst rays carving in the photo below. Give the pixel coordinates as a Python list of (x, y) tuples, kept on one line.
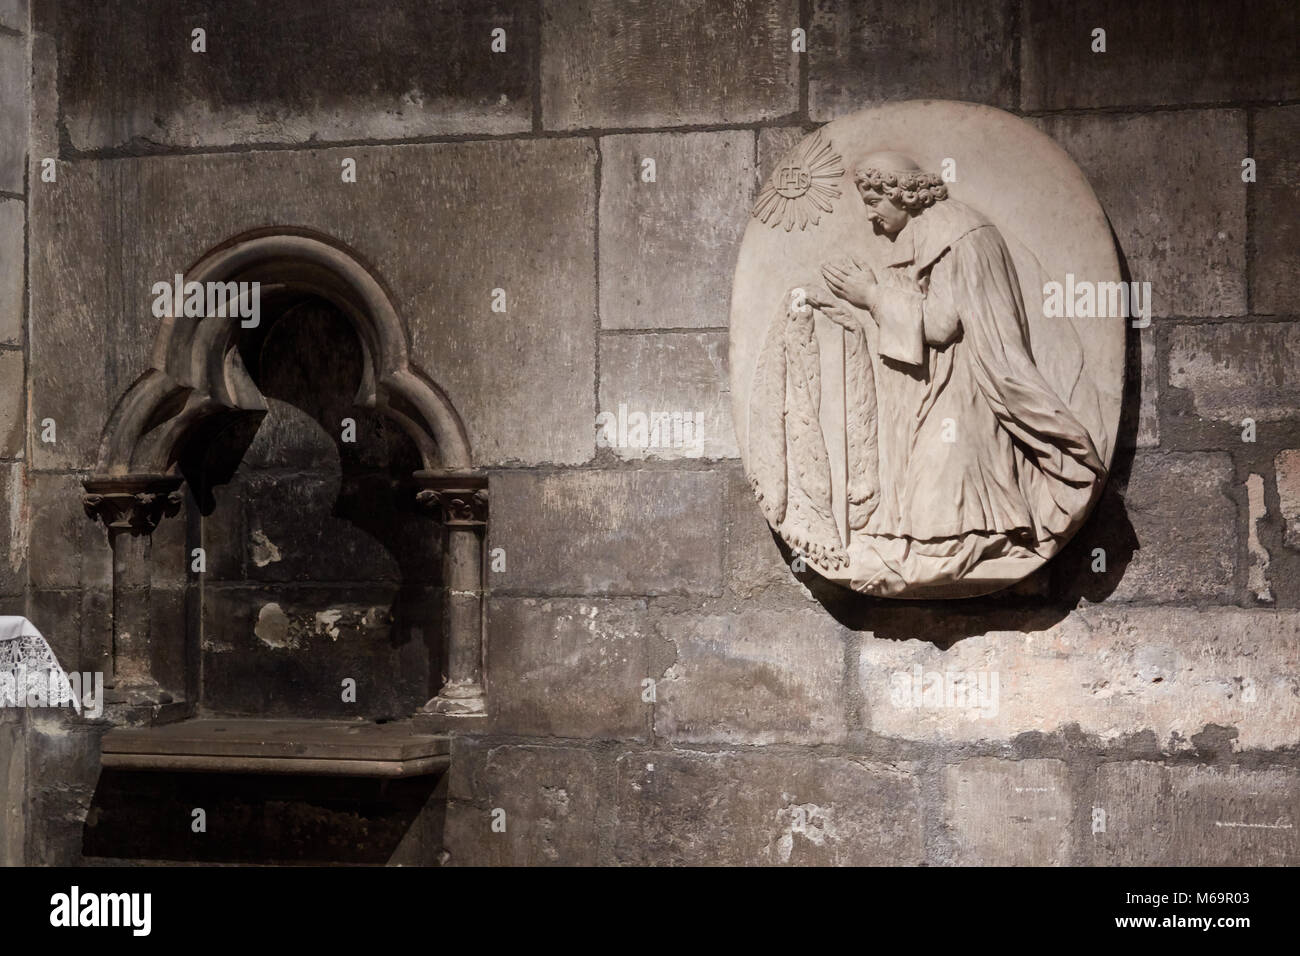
[(802, 186)]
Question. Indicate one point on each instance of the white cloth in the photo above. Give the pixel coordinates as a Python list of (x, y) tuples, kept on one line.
[(30, 674)]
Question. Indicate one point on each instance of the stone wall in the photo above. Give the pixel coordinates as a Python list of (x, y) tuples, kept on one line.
[(15, 105), (662, 688)]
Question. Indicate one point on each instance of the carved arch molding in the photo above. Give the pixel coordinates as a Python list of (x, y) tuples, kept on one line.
[(197, 384)]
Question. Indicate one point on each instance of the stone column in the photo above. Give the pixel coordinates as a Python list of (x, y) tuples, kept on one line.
[(131, 507), (460, 501)]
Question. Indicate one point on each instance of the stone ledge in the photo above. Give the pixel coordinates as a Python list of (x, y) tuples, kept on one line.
[(317, 747)]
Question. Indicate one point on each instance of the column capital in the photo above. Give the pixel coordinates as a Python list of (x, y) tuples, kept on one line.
[(134, 503), (459, 499)]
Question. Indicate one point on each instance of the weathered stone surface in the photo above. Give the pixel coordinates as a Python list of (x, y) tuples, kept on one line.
[(1169, 566), (1153, 173), (679, 382), (663, 244), (1287, 467), (865, 51), (1111, 671), (567, 668), (1141, 413), (1148, 430), (13, 14), (285, 651), (12, 271), (78, 625), (549, 796), (62, 767), (755, 809), (1275, 234), (1008, 812), (13, 528), (1196, 816), (12, 406), (129, 77), (569, 532), (13, 788), (1233, 372), (68, 549), (754, 561), (620, 64), (1161, 53), (444, 226), (15, 99), (759, 677)]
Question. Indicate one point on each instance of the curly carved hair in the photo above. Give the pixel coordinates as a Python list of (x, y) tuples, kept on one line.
[(912, 190)]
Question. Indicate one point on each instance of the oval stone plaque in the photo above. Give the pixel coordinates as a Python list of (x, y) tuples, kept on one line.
[(927, 349)]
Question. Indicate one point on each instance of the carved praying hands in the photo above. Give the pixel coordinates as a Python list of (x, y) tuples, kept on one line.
[(852, 280)]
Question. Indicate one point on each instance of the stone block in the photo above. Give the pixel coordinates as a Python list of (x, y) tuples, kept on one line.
[(13, 788), (863, 52), (1170, 566), (1008, 812), (567, 668), (1160, 53), (1114, 673), (15, 101), (758, 677), (760, 809), (67, 549), (13, 15), (1158, 815), (664, 244), (1287, 467), (13, 528), (1275, 234), (12, 406), (13, 270), (62, 768), (73, 305), (545, 800), (636, 63), (1134, 546), (666, 396), (78, 624), (1169, 184), (1140, 415), (335, 70), (754, 560), (608, 532), (1233, 372)]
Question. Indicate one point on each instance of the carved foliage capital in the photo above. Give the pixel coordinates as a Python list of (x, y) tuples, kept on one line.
[(459, 500), (132, 503)]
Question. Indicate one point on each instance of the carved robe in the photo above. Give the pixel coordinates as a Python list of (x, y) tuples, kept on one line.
[(975, 455)]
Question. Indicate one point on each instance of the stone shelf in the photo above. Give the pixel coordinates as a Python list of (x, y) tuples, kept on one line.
[(317, 747)]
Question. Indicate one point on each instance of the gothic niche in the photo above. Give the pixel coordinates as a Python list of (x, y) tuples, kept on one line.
[(332, 526), (912, 423)]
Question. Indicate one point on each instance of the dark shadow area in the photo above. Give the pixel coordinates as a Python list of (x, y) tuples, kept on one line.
[(320, 570), (1046, 596), (264, 818)]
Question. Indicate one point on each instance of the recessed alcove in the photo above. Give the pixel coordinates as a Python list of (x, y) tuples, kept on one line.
[(330, 529), (320, 568)]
